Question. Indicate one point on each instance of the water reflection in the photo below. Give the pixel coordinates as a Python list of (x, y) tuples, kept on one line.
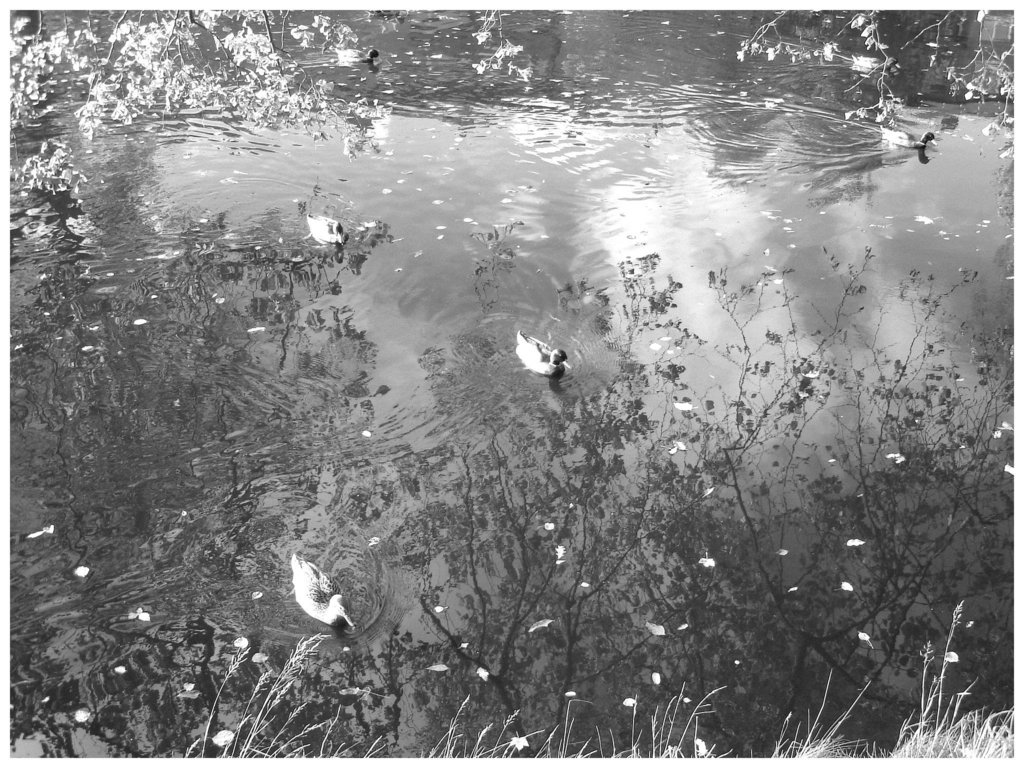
[(198, 390)]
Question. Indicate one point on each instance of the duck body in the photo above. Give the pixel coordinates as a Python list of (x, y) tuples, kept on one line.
[(318, 594), (868, 64), (540, 357), (905, 139), (325, 230)]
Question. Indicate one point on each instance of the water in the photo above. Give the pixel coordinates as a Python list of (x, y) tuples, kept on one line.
[(365, 407)]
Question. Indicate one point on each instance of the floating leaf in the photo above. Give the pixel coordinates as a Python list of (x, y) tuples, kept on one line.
[(847, 586), (241, 642), (656, 678), (82, 571), (257, 595), (898, 457), (223, 738), (854, 542), (924, 220), (570, 694), (655, 629), (707, 562), (81, 715), (483, 673), (559, 551), (140, 321), (700, 746), (866, 638), (188, 686), (682, 626), (655, 346), (519, 743), (629, 702), (440, 608), (540, 624), (373, 542), (1009, 469), (463, 646), (549, 526), (684, 406), (584, 584), (121, 669), (438, 668), (709, 491), (256, 329), (259, 658), (951, 657), (47, 529), (793, 589), (783, 552), (366, 433)]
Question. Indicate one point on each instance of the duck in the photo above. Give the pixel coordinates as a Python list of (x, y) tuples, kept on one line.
[(325, 230), (371, 56), (318, 594), (868, 64), (905, 139), (540, 357)]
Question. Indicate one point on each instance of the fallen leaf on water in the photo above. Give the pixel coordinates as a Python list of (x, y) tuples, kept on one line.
[(47, 529), (684, 406), (1007, 468), (483, 673), (707, 562), (629, 702), (584, 584), (866, 638), (655, 629), (951, 657), (519, 743), (256, 329), (259, 658), (121, 669), (223, 738), (570, 694), (549, 526), (924, 220), (81, 715), (655, 346), (367, 433), (440, 608), (438, 668), (846, 586), (257, 595), (682, 627), (854, 542), (701, 747), (783, 552), (241, 642), (559, 552), (655, 678), (82, 571), (140, 321), (540, 624), (793, 589)]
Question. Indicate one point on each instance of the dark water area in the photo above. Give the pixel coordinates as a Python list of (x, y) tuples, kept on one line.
[(785, 337)]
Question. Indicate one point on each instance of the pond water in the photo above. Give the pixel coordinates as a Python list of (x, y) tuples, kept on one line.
[(784, 336)]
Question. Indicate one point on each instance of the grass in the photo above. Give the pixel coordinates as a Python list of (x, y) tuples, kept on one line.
[(940, 730)]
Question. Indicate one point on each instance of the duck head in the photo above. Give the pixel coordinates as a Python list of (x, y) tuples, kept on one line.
[(337, 616), (927, 137), (558, 356)]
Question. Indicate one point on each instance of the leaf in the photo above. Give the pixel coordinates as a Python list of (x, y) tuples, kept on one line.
[(223, 738), (438, 668), (846, 586), (951, 657), (629, 702), (656, 678), (539, 625), (121, 669), (793, 589), (1009, 469), (924, 220), (483, 673), (865, 637), (259, 658), (519, 743), (241, 642), (570, 694), (782, 552), (701, 747), (854, 542), (82, 571), (707, 562), (655, 629), (684, 406)]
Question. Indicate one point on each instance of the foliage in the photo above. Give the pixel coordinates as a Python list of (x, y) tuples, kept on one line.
[(51, 170), (989, 75), (504, 53)]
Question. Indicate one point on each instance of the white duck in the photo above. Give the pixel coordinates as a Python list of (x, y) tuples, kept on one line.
[(325, 230), (540, 357), (318, 594)]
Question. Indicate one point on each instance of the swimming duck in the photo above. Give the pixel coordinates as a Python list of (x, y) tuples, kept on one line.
[(325, 229), (540, 357), (905, 139), (867, 64), (318, 595)]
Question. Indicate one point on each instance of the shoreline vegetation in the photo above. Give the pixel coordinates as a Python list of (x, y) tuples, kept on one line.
[(271, 726)]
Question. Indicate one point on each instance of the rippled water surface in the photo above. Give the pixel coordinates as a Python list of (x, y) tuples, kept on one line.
[(764, 308)]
